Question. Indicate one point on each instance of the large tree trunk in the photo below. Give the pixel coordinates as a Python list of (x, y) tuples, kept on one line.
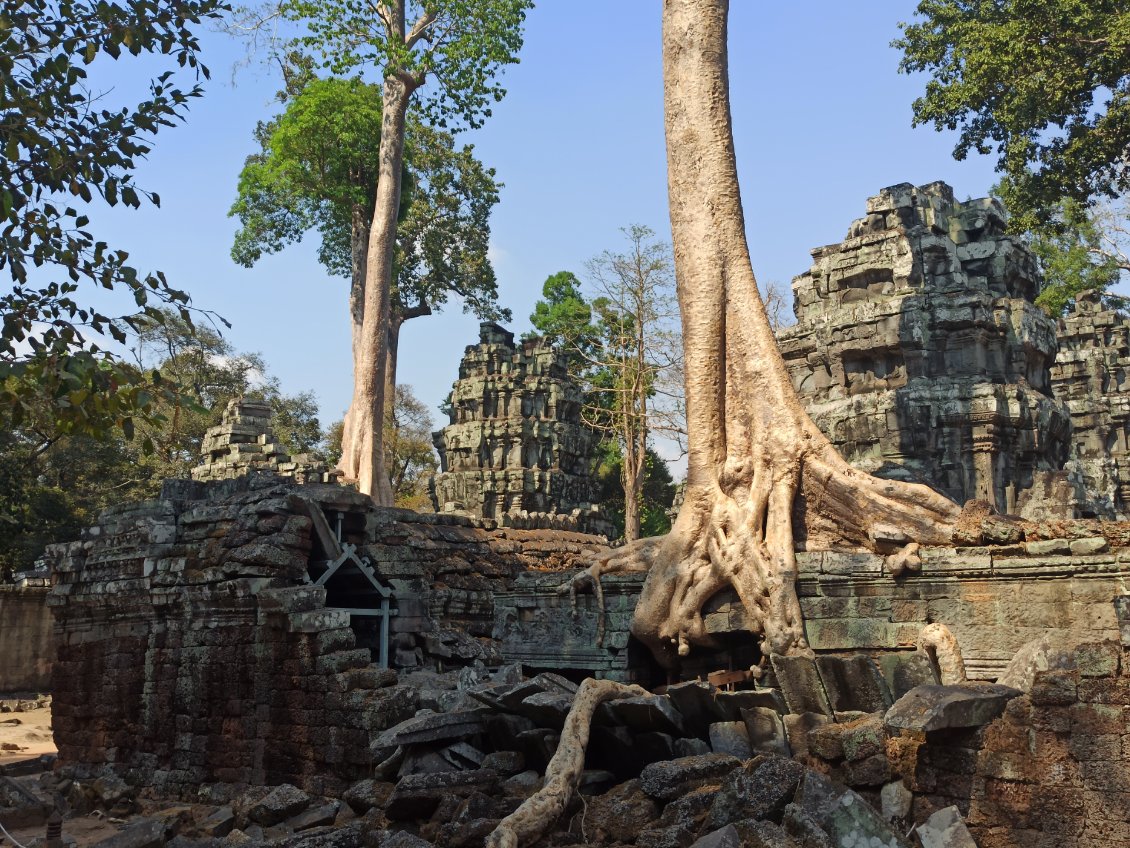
[(756, 461), (362, 455)]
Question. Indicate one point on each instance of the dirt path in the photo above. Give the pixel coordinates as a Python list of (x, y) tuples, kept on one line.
[(25, 735)]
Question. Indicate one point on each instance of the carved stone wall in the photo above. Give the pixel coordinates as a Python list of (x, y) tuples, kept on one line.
[(1091, 376), (28, 648), (192, 646), (515, 449), (919, 352)]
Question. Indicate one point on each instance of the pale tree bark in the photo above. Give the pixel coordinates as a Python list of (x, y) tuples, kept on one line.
[(759, 471), (362, 454)]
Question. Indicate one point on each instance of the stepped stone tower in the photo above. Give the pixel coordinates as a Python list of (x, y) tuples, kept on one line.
[(243, 443), (919, 352), (515, 449), (1091, 376)]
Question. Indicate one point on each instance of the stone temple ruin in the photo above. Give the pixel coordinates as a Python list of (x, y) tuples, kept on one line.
[(919, 351), (918, 346), (516, 449), (255, 660)]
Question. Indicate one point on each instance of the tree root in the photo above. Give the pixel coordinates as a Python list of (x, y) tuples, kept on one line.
[(940, 645), (542, 809), (635, 558)]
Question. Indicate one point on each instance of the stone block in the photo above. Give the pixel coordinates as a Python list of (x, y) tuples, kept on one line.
[(666, 781), (766, 730), (945, 829), (800, 684), (731, 737), (759, 789), (280, 804), (417, 796), (853, 683), (799, 727), (928, 708)]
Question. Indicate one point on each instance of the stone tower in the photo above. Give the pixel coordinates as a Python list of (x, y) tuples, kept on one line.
[(1091, 376), (242, 443), (919, 352), (515, 449)]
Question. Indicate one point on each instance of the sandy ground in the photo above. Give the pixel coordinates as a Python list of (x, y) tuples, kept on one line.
[(25, 735)]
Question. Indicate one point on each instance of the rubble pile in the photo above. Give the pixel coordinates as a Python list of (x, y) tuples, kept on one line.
[(839, 752)]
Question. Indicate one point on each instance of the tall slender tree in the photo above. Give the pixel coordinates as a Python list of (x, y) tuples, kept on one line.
[(316, 170), (445, 55), (637, 341)]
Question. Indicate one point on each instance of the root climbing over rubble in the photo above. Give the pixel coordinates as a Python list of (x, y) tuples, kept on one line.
[(543, 808), (759, 471)]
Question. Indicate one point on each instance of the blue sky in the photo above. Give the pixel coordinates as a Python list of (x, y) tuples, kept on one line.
[(821, 121)]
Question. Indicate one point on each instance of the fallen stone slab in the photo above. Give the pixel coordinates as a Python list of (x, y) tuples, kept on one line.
[(322, 815), (668, 780), (766, 730), (219, 823), (766, 834), (367, 794), (732, 703), (351, 835), (280, 804), (547, 709), (417, 795), (800, 684), (621, 813), (844, 815), (724, 837), (649, 712), (945, 829), (759, 789), (432, 727), (463, 755), (803, 829), (143, 833), (931, 707), (731, 737), (697, 703), (907, 669), (854, 683)]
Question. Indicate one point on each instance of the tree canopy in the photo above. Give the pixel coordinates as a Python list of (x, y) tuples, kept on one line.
[(59, 146), (1045, 84), (53, 484), (441, 58)]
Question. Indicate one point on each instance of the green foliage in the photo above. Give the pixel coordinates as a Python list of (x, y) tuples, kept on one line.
[(564, 318), (53, 484), (1073, 260), (317, 170), (317, 163), (656, 495), (59, 146), (459, 46), (408, 447), (1043, 83)]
